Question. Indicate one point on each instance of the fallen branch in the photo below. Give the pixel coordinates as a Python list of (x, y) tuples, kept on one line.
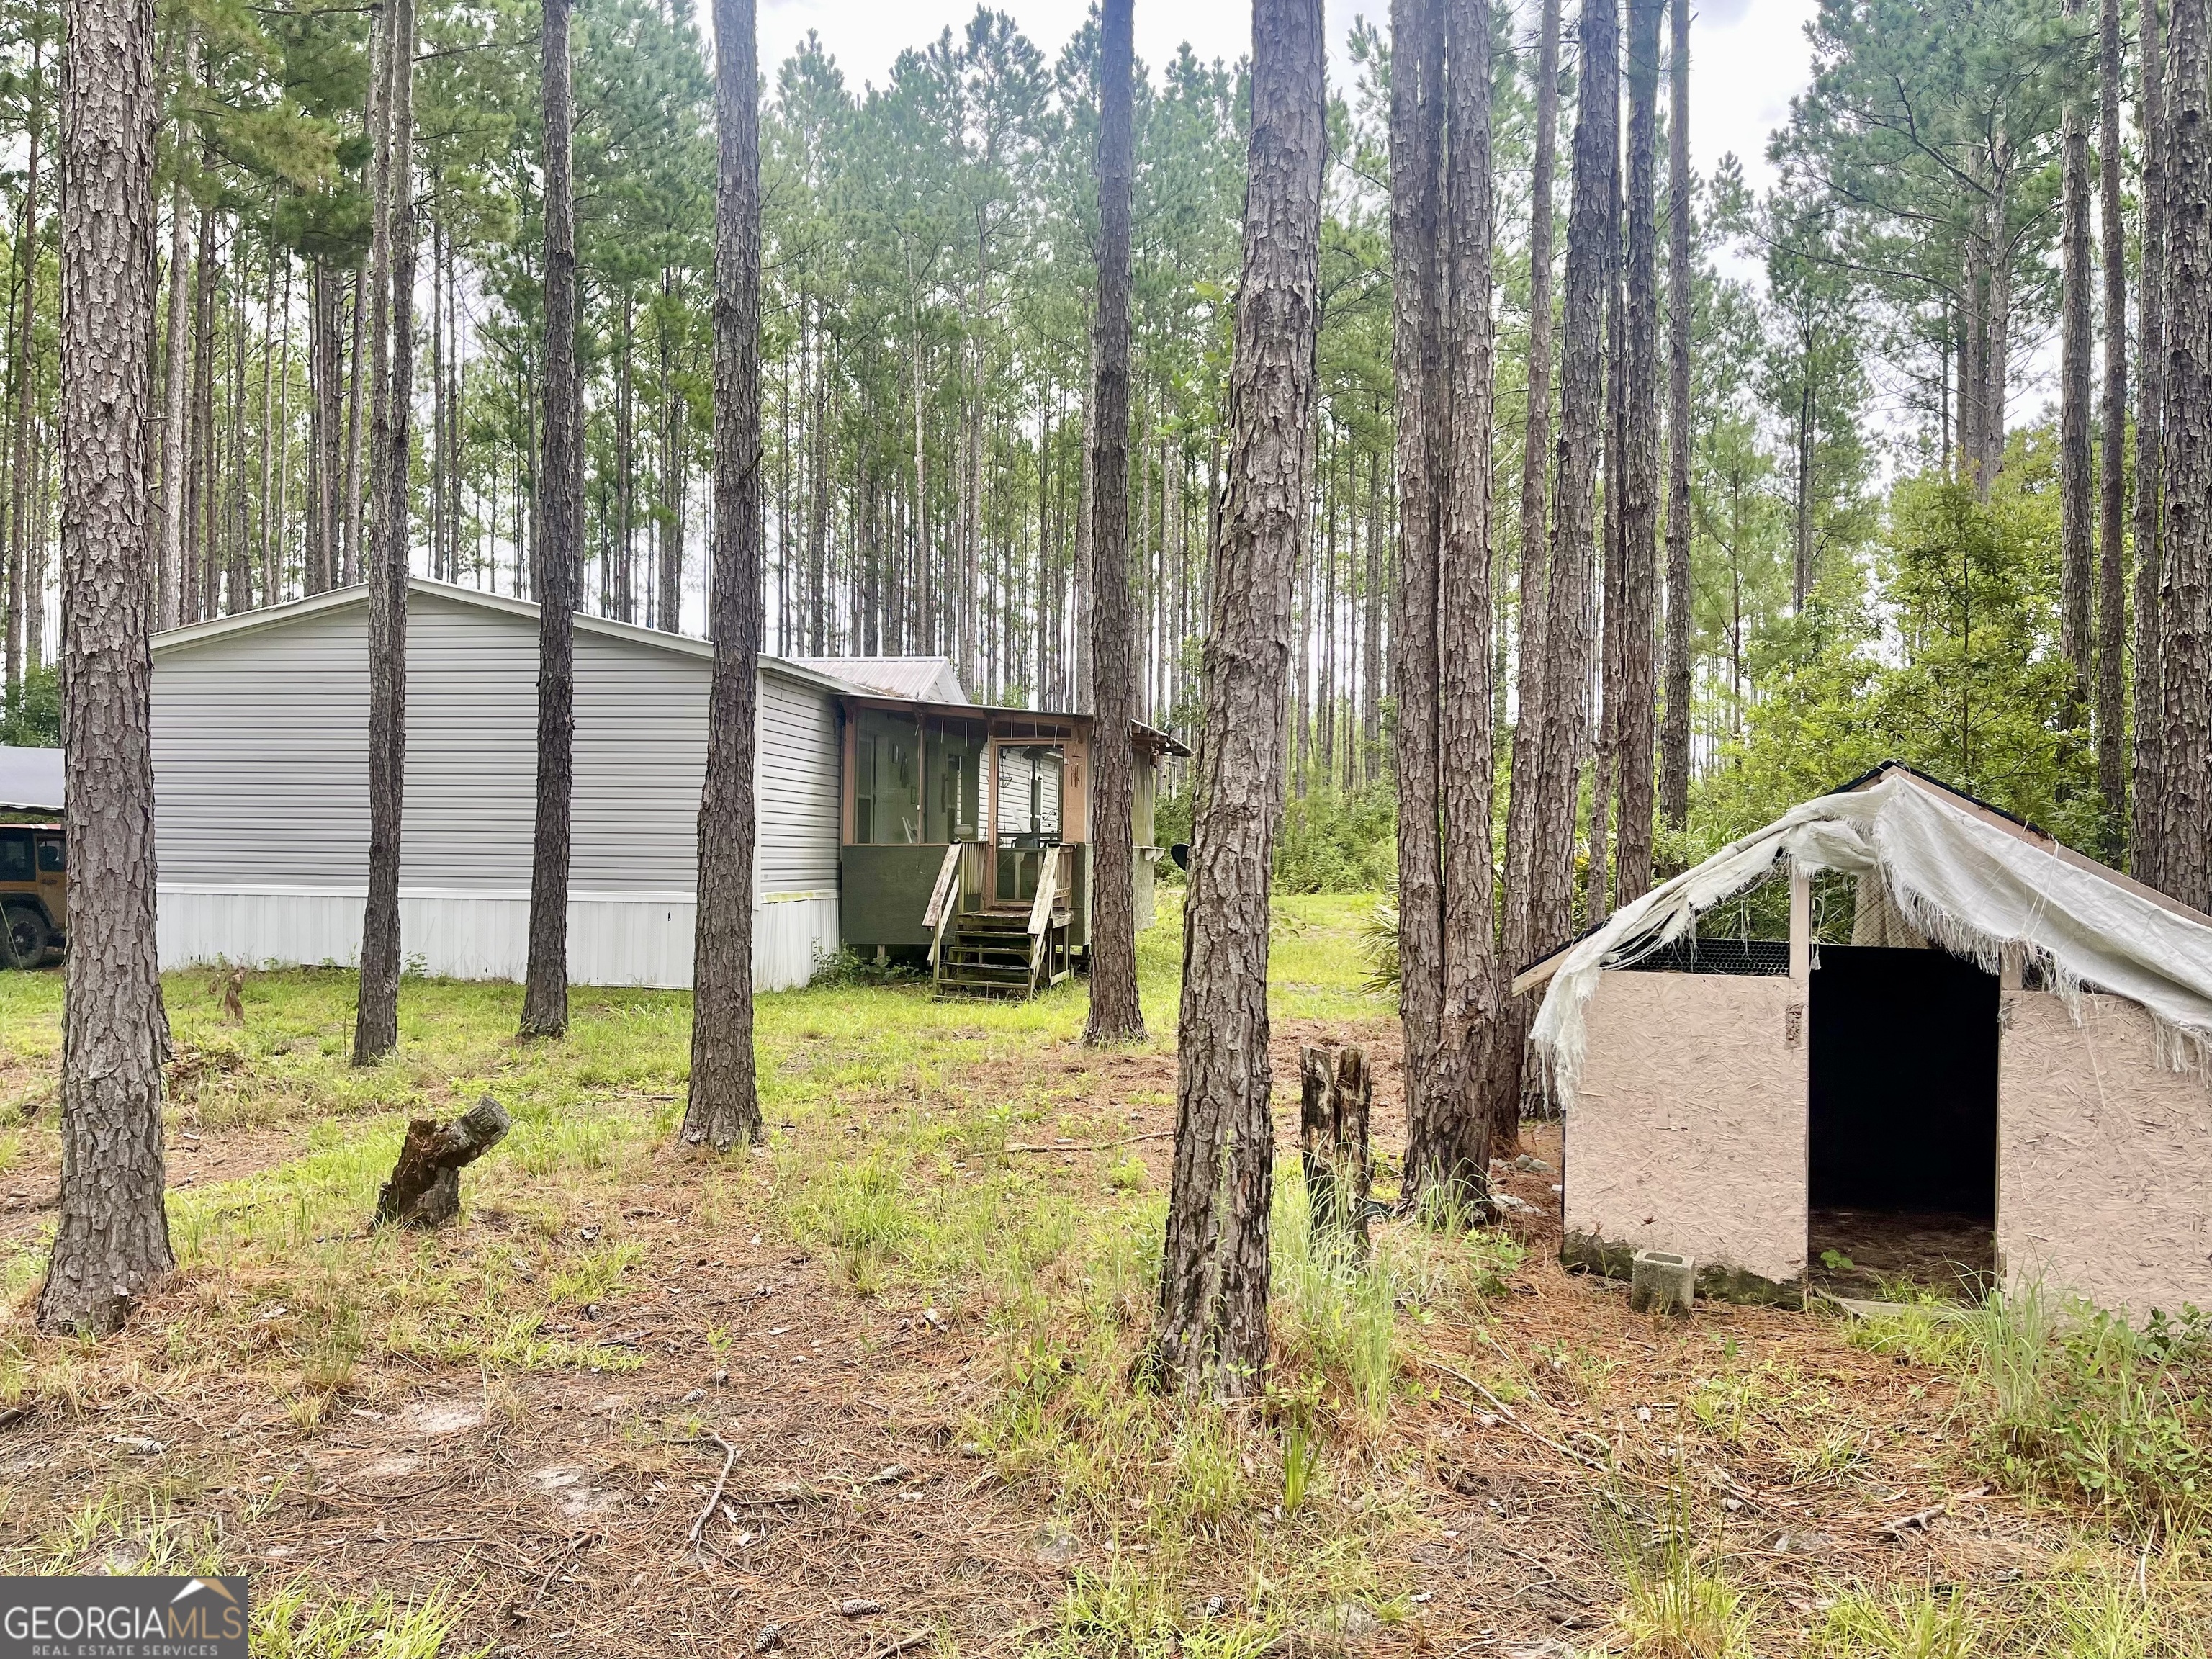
[(904, 1643), (729, 1461), (1097, 1145)]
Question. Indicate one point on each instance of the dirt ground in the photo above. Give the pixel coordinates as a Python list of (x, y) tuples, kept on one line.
[(786, 1463)]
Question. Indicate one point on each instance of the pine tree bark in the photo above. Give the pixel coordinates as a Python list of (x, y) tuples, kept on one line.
[(1639, 494), (1675, 733), (1535, 552), (2112, 484), (2147, 758), (1213, 1316), (560, 527), (391, 285), (1115, 1013), (671, 528), (1087, 497), (1417, 117), (2076, 522), (197, 591), (1448, 1139), (2185, 599), (723, 1111), (170, 570), (112, 1236), (21, 598), (1570, 638)]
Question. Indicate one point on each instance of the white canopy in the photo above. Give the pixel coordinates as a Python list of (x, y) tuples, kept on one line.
[(1963, 875)]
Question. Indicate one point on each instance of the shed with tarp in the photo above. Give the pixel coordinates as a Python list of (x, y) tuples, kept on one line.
[(2006, 1069)]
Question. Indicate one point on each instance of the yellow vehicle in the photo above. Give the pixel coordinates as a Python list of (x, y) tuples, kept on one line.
[(34, 890)]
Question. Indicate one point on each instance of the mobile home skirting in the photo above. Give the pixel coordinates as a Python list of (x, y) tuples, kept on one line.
[(614, 938)]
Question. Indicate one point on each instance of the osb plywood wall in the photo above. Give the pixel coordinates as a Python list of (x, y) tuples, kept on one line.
[(2104, 1160), (1688, 1132)]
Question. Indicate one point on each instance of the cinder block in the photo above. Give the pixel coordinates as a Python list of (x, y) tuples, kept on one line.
[(1661, 1282)]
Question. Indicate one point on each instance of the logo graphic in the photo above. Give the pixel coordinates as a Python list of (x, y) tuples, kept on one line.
[(100, 1617)]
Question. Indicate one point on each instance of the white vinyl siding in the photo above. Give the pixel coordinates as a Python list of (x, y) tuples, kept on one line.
[(798, 806), (260, 755)]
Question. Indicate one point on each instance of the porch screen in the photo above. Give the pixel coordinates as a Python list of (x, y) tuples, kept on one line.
[(1029, 790)]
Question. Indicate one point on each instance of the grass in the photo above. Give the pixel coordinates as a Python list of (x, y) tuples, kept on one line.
[(914, 1156), (2069, 1402)]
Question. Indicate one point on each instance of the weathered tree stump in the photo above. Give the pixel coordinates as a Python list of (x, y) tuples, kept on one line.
[(1335, 1091), (425, 1188)]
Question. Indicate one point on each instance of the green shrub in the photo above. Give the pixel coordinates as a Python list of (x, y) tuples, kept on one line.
[(2071, 1401), (1332, 842)]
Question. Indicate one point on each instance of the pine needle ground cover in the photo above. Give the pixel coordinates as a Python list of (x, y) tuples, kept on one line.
[(866, 1390)]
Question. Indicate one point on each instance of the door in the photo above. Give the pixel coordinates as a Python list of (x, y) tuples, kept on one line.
[(1028, 781)]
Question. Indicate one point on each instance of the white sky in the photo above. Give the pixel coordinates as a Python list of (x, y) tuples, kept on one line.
[(1747, 57)]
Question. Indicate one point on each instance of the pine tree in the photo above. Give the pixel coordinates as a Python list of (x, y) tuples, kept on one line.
[(561, 512), (1638, 689), (1448, 1139), (2077, 525), (1675, 733), (111, 1236), (2112, 483), (391, 286), (1520, 851), (1213, 1316), (723, 1111), (1417, 139), (1115, 1013), (1569, 642), (2147, 768), (2185, 598)]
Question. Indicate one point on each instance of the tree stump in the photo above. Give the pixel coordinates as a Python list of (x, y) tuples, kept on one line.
[(1335, 1091), (425, 1188)]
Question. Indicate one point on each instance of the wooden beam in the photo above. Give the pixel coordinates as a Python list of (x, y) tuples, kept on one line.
[(1801, 922)]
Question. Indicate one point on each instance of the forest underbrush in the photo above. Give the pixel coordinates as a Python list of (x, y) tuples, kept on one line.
[(868, 1389)]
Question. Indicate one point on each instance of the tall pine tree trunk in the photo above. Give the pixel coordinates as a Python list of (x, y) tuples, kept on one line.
[(1213, 1317), (2186, 599), (1115, 1014), (2147, 762), (1675, 734), (2112, 484), (724, 1108), (1448, 1145), (111, 1235), (1639, 493), (376, 1016), (1535, 551), (1570, 640), (670, 527), (2076, 523), (176, 390), (20, 600), (1417, 116), (560, 515)]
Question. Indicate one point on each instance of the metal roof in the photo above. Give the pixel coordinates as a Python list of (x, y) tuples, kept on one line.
[(30, 779), (918, 679)]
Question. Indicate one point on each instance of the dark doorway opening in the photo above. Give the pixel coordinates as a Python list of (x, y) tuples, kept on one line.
[(1902, 1109)]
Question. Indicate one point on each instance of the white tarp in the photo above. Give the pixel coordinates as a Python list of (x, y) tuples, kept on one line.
[(1972, 886)]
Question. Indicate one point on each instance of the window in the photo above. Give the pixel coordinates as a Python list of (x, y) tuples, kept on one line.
[(14, 858), (50, 858), (887, 784)]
